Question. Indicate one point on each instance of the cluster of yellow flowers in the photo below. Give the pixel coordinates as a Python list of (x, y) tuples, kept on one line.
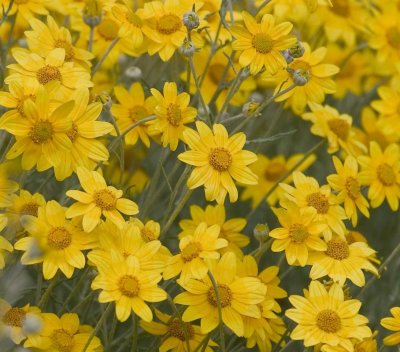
[(129, 128)]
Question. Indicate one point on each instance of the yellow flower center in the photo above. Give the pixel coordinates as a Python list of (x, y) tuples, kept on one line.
[(319, 202), (73, 132), (352, 188), (274, 171), (339, 127), (48, 74), (386, 174), (41, 132), (105, 199), (62, 340), (129, 285), (169, 24), (69, 50), (359, 349), (174, 115), (177, 329), (191, 251), (341, 8), (220, 158), (30, 208), (108, 29), (393, 37), (298, 233), (225, 295), (263, 43), (337, 249), (59, 238), (329, 321), (14, 317), (137, 113), (147, 234), (301, 67)]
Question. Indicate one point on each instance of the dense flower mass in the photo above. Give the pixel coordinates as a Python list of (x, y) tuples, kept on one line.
[(190, 176)]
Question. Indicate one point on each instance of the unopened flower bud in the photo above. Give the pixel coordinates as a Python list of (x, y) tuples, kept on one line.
[(249, 108), (32, 324), (297, 50), (191, 20), (105, 99), (261, 232), (92, 13), (286, 54), (300, 77), (187, 48), (134, 73)]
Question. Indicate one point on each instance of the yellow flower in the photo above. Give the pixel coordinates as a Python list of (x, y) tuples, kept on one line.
[(12, 320), (343, 261), (7, 189), (381, 173), (173, 113), (299, 235), (4, 244), (269, 172), (366, 345), (346, 182), (133, 107), (14, 99), (194, 249), (230, 230), (324, 316), (218, 159), (26, 9), (392, 324), (54, 241), (307, 194), (98, 199), (239, 297), (63, 334), (130, 24), (174, 333), (261, 44), (124, 283)]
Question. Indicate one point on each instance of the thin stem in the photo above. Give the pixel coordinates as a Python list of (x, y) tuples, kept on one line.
[(45, 297), (135, 321), (221, 323), (8, 147), (6, 12), (110, 47), (90, 42), (39, 284), (286, 333), (265, 3)]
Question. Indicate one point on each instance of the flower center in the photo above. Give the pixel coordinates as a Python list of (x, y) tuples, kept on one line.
[(393, 37), (105, 199), (30, 208), (263, 43), (341, 8), (73, 132), (59, 238), (225, 295), (48, 74), (177, 329), (14, 317), (129, 285), (169, 24), (191, 251), (339, 127), (69, 50), (174, 115), (328, 321), (62, 340), (337, 249), (108, 29), (220, 158), (301, 68), (386, 174), (137, 113), (319, 202), (274, 171), (41, 132), (352, 188), (298, 233), (147, 235)]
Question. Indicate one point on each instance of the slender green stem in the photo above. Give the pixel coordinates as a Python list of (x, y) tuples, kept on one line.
[(203, 343), (45, 297), (285, 334), (100, 62), (90, 42), (221, 323), (6, 12), (265, 3), (112, 333), (98, 325), (8, 147), (135, 334), (39, 284)]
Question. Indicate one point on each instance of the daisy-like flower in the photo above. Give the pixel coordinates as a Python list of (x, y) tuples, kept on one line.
[(307, 194), (261, 44), (33, 70), (174, 333), (54, 241), (346, 182), (4, 244), (173, 113), (299, 235), (335, 127), (392, 324), (130, 24), (26, 9), (12, 320), (41, 136), (325, 316), (238, 297), (14, 99), (380, 171), (366, 345), (61, 334), (230, 229), (125, 284), (218, 159), (42, 39), (133, 107), (7, 189), (269, 172), (203, 244), (342, 261), (98, 199)]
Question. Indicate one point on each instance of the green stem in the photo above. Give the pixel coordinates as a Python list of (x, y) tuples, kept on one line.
[(221, 323), (8, 147), (110, 47), (45, 297), (98, 325), (90, 42), (135, 321)]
